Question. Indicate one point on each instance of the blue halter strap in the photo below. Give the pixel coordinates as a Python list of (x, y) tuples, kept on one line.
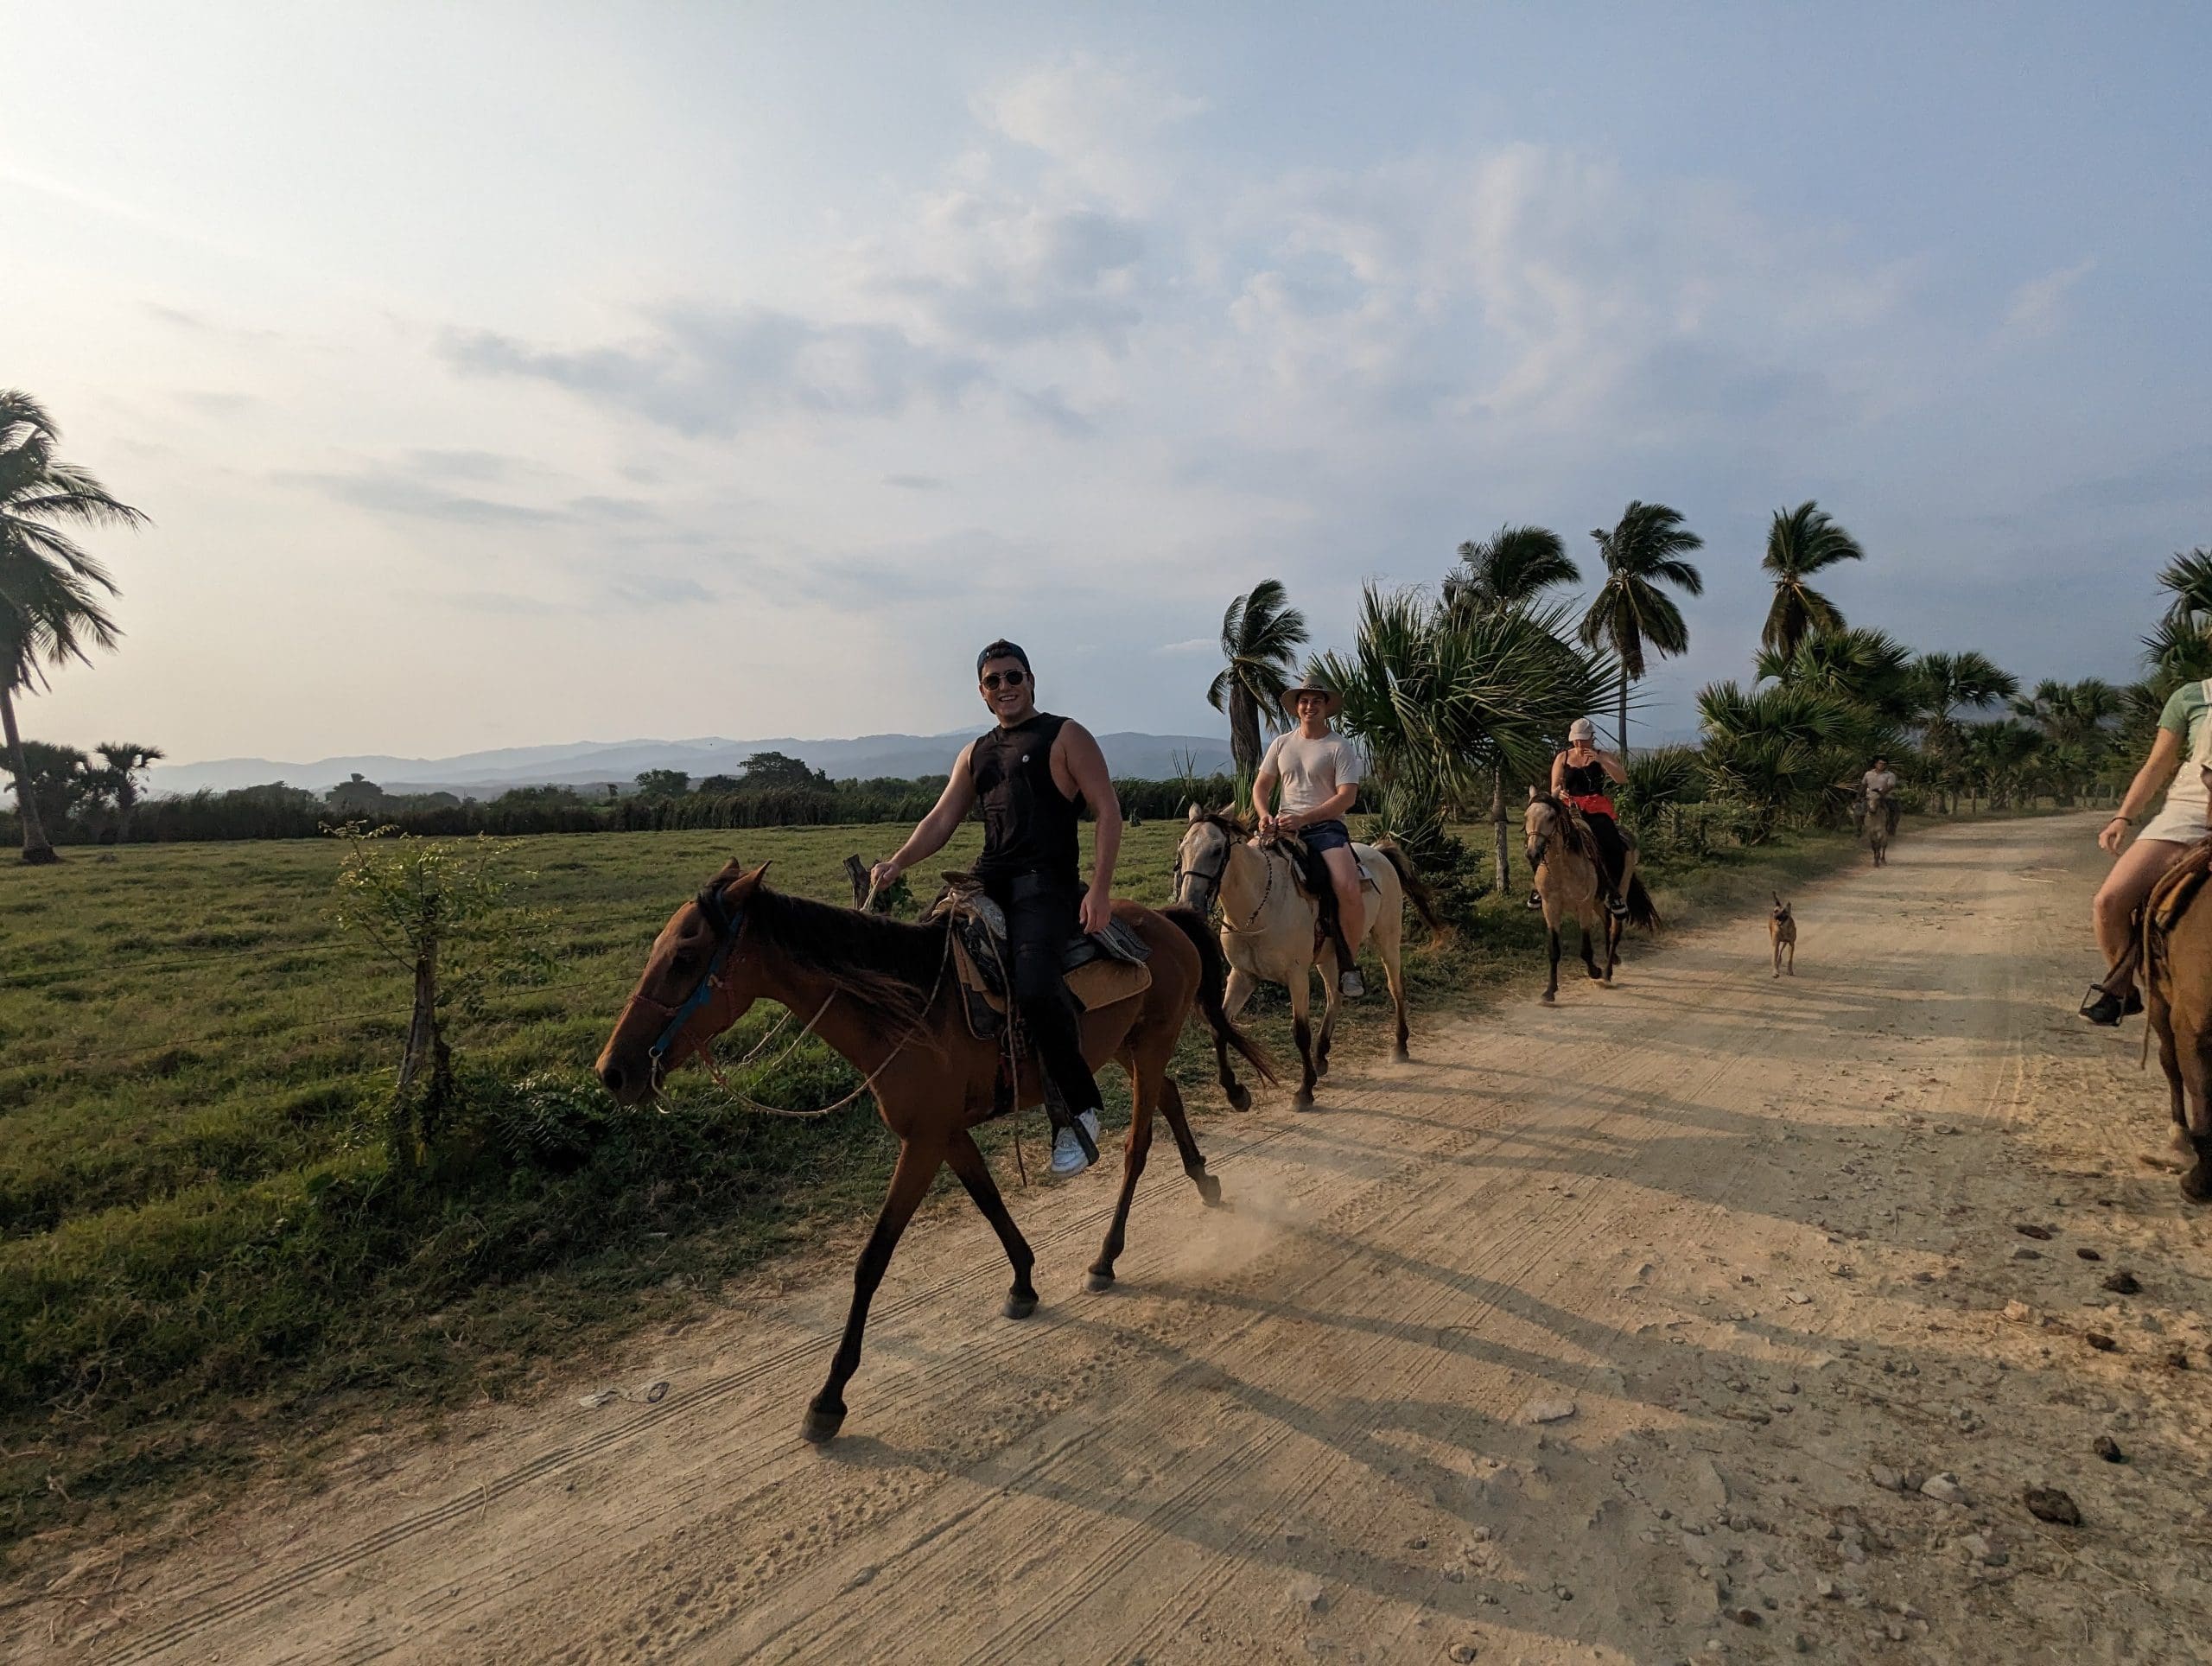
[(727, 922)]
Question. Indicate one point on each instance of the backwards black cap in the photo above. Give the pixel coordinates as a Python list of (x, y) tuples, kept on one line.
[(1001, 648)]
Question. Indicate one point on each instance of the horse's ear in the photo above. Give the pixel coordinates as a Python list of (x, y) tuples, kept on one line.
[(1532, 795), (1229, 809), (751, 878), (1197, 814)]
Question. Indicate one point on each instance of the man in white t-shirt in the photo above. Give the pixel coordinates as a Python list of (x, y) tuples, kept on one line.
[(1318, 773), (1880, 785)]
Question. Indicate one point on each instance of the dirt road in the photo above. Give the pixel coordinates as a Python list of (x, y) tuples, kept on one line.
[(1755, 1243)]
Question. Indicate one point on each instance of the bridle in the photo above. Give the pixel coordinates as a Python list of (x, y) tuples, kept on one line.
[(726, 922), (1212, 881)]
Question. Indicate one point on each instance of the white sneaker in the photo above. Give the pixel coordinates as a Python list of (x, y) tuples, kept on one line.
[(1067, 1150)]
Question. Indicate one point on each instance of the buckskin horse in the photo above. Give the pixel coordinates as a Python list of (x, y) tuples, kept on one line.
[(882, 992), (1268, 929), (1565, 857), (2176, 947)]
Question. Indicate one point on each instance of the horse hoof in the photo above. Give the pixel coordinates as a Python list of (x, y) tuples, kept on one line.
[(1301, 1101), (1401, 1055), (1021, 1307), (1549, 999), (821, 1427), (1239, 1095), (2197, 1185), (1209, 1190), (1098, 1283)]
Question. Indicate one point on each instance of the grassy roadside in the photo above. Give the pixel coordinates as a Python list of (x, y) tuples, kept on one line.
[(204, 1267)]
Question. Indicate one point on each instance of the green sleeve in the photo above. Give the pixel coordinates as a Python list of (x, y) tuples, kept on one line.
[(2182, 705)]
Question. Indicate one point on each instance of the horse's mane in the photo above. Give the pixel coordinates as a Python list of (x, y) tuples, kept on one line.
[(887, 967), (1225, 820), (1574, 832)]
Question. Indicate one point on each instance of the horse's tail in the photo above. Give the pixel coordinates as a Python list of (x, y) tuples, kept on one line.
[(1213, 983), (1642, 911), (1424, 902)]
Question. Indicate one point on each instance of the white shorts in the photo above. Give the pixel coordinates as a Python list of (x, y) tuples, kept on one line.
[(2180, 821)]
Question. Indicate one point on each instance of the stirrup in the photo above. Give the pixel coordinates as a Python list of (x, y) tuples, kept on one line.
[(2101, 1006)]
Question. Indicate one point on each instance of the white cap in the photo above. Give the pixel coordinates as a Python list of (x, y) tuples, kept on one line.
[(1582, 729)]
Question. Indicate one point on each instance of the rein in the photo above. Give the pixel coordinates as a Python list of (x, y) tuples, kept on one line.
[(727, 922), (1212, 882)]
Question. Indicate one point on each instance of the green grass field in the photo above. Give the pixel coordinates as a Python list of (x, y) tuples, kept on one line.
[(204, 1263)]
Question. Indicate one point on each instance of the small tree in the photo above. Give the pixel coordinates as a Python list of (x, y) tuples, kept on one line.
[(773, 769), (445, 912), (664, 784), (126, 762)]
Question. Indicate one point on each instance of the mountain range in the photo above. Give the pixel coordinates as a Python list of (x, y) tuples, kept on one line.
[(594, 763)]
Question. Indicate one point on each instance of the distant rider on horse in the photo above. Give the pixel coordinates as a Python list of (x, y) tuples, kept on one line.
[(1033, 773), (1318, 773), (1581, 775), (1879, 786)]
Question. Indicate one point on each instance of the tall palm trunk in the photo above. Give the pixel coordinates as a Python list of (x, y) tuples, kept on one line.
[(1620, 729), (1244, 730), (1497, 827), (36, 846)]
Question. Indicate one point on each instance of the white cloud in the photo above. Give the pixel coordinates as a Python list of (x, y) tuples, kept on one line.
[(1105, 124), (2038, 306)]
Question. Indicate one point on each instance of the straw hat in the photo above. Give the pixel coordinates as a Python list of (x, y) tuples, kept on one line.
[(1335, 701)]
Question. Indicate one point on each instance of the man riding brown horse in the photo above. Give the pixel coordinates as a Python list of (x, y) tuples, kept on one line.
[(1032, 773)]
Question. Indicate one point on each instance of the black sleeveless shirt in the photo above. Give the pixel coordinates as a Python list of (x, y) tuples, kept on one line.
[(1029, 825), (1585, 780)]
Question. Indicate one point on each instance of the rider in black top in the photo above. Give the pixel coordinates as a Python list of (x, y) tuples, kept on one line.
[(1032, 775), (1585, 777)]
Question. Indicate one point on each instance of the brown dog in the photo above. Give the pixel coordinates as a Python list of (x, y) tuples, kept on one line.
[(1782, 932)]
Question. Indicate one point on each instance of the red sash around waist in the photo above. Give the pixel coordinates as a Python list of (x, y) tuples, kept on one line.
[(1593, 804)]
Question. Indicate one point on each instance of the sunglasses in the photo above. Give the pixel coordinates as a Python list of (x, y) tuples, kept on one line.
[(1006, 679)]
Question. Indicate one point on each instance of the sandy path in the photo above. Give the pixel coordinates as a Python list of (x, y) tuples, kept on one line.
[(1761, 1235)]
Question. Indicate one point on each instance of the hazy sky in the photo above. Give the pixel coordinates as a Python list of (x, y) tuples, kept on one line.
[(498, 374)]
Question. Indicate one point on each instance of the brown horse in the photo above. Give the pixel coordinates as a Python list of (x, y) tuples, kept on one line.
[(2177, 962), (882, 992), (1564, 855)]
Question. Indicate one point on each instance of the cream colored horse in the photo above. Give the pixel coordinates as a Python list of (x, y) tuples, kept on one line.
[(1564, 859), (1270, 926)]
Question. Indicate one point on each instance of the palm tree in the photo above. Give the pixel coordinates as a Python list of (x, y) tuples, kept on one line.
[(1869, 667), (1629, 611), (1510, 569), (1260, 636), (1945, 684), (1441, 700), (1778, 749), (50, 590), (1800, 543), (2188, 576), (126, 760)]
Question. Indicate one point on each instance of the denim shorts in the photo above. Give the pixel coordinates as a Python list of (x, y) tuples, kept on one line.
[(1322, 837)]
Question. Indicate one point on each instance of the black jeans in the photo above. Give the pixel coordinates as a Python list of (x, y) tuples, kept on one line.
[(1612, 850), (1040, 917)]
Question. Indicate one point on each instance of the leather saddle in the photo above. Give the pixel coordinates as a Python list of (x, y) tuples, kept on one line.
[(1311, 873), (1099, 970)]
